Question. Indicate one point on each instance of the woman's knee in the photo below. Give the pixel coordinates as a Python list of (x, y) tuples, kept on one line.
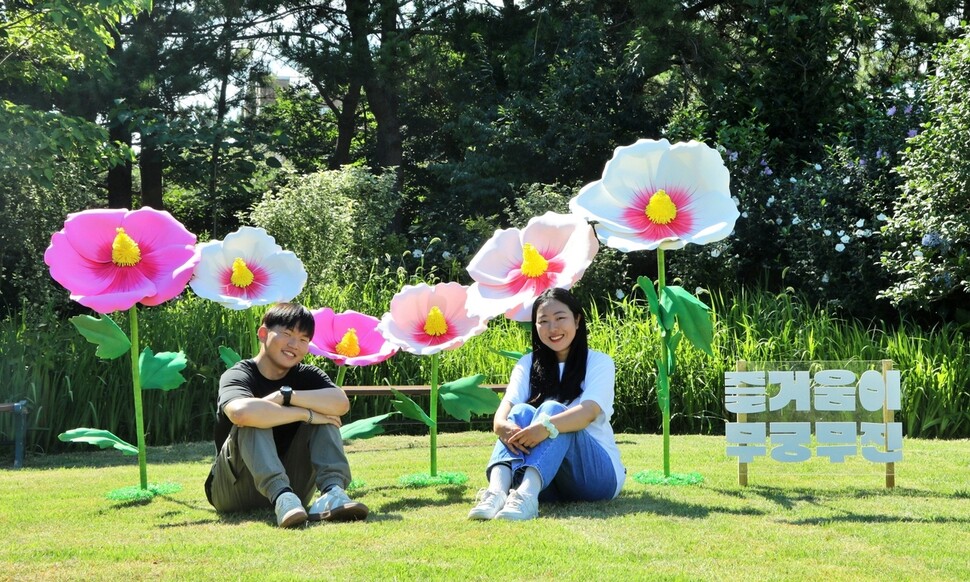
[(522, 413), (551, 407)]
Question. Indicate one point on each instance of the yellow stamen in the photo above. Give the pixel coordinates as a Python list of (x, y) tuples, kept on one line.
[(124, 250), (348, 346), (435, 324), (241, 275), (661, 209), (533, 263)]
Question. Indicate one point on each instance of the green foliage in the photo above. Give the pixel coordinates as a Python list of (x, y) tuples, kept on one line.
[(112, 342), (161, 371), (929, 235), (99, 438), (337, 222)]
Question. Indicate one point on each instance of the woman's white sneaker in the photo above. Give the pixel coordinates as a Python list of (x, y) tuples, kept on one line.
[(519, 507), (489, 503)]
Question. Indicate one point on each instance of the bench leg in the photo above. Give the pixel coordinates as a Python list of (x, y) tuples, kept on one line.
[(20, 433)]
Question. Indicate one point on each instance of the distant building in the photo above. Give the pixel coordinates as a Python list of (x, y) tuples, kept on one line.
[(261, 91)]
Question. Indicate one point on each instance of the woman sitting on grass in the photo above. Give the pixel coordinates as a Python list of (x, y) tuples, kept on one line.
[(555, 442)]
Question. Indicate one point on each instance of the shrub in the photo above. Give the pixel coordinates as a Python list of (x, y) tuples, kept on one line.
[(929, 236), (337, 222)]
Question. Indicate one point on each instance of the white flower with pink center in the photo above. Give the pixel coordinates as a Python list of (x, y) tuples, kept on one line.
[(425, 320), (247, 268), (656, 195)]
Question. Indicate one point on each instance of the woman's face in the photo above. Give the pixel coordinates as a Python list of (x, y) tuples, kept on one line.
[(557, 327)]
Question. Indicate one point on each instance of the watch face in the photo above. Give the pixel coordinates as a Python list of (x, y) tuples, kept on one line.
[(287, 393)]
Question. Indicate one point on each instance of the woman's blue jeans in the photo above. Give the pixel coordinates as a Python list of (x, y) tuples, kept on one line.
[(573, 466)]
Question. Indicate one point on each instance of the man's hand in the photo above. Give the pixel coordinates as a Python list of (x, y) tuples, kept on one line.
[(274, 397), (319, 418)]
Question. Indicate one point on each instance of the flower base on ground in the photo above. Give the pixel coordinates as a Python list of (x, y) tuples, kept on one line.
[(135, 493), (658, 478), (426, 480)]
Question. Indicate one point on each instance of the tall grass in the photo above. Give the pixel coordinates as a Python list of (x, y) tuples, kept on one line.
[(47, 362)]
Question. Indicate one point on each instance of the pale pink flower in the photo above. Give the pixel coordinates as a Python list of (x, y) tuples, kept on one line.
[(515, 266), (425, 320)]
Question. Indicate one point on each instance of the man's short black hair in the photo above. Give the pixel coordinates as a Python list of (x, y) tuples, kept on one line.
[(290, 316)]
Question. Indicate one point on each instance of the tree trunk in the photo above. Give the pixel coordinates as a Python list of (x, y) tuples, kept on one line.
[(119, 177), (346, 126), (150, 164)]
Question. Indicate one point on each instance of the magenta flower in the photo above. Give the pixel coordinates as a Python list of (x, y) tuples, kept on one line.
[(654, 195), (247, 268), (111, 259), (349, 338), (425, 320), (515, 266)]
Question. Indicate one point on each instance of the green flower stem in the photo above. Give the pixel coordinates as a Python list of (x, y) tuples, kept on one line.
[(665, 408), (434, 414), (136, 386), (253, 326), (341, 374)]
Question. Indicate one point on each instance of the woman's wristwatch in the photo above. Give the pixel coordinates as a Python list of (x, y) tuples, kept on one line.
[(546, 421)]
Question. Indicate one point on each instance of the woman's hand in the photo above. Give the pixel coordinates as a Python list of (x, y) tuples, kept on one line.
[(505, 430), (527, 438)]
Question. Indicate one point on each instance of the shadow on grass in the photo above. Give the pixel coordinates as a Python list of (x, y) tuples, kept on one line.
[(642, 502), (88, 457)]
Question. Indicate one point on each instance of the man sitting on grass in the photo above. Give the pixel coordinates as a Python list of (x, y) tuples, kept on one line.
[(278, 430)]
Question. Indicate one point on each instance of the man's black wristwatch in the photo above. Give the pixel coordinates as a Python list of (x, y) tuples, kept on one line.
[(287, 393)]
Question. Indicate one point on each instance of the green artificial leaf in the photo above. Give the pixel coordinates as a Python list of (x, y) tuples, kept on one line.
[(647, 285), (465, 397), (111, 341), (410, 409), (693, 316), (97, 437), (229, 356), (510, 354), (672, 341), (364, 428), (161, 371)]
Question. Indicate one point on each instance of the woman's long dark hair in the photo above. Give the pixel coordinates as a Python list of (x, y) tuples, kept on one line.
[(544, 381)]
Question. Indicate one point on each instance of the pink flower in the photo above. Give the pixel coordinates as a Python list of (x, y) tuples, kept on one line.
[(247, 268), (425, 320), (515, 266), (111, 259), (655, 195), (349, 338)]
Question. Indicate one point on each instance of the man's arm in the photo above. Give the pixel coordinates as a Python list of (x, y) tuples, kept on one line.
[(327, 404)]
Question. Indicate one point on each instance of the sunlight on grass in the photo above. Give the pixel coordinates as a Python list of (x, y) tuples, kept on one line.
[(813, 520)]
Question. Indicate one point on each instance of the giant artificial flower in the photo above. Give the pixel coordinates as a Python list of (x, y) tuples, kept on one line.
[(247, 268), (655, 195), (111, 259), (349, 338), (515, 266), (425, 320)]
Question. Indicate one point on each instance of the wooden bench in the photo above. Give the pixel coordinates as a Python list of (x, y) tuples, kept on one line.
[(416, 390), (19, 410)]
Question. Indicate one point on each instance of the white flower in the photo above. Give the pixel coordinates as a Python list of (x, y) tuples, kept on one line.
[(445, 255), (825, 277), (620, 294), (840, 247), (418, 253), (715, 252), (918, 254), (778, 221), (845, 180), (793, 180), (827, 232), (796, 220), (882, 217), (744, 214), (845, 238), (860, 222), (770, 201), (818, 167)]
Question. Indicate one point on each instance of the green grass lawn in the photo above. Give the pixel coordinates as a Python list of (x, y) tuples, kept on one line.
[(812, 520)]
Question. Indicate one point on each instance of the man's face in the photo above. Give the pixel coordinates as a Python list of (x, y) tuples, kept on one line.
[(286, 348)]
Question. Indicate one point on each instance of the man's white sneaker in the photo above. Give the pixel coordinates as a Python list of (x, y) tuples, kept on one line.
[(519, 507), (335, 505), (489, 503), (289, 510)]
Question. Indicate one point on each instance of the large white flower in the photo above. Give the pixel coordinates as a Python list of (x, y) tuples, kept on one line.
[(247, 268), (656, 195), (515, 266)]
